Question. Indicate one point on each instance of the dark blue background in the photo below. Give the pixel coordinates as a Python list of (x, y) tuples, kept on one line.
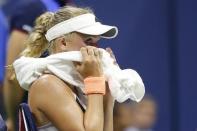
[(158, 38), (3, 40)]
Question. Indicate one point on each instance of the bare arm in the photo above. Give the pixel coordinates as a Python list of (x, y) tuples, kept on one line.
[(108, 111), (15, 45), (58, 104), (13, 94)]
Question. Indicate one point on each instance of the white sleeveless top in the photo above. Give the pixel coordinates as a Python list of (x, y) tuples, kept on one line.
[(47, 127), (50, 127)]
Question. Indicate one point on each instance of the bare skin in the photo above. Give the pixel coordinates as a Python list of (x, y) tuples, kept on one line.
[(51, 99), (12, 92)]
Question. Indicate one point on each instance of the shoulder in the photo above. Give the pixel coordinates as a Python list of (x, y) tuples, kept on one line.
[(44, 79), (48, 82), (48, 88)]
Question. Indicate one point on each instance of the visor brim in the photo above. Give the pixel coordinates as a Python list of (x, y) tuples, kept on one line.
[(104, 31)]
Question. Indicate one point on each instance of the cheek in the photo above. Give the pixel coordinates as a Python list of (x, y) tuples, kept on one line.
[(81, 44), (77, 45)]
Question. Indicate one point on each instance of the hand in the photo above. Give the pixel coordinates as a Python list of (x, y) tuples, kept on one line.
[(109, 50), (91, 62), (10, 125)]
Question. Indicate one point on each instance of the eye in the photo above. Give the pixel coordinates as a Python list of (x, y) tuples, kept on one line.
[(88, 40)]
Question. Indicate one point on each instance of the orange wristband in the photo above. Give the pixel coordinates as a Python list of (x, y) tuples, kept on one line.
[(94, 85)]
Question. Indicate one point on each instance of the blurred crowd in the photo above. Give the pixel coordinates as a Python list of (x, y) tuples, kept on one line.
[(16, 21), (131, 116)]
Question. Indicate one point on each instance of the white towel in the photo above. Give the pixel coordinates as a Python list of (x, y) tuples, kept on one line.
[(123, 84)]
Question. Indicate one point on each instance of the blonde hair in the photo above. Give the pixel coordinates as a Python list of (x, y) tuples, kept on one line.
[(36, 44)]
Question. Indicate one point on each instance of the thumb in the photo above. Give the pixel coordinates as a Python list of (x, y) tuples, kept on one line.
[(77, 65)]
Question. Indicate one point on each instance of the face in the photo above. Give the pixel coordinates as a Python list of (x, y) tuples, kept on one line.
[(78, 40), (145, 114), (125, 117)]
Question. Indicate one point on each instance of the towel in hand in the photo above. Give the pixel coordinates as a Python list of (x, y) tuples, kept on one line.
[(124, 84)]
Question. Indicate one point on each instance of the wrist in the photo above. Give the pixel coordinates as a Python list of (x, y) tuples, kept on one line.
[(94, 85), (95, 75)]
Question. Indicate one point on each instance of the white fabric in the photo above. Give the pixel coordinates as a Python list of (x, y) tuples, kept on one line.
[(47, 127), (123, 84), (85, 24), (136, 129)]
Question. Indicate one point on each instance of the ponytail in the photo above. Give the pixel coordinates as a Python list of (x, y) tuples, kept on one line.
[(36, 44)]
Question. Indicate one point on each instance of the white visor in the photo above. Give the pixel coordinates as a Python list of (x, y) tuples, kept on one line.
[(84, 24)]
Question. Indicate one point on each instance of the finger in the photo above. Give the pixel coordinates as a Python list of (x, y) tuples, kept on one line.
[(100, 54), (76, 63), (109, 50), (84, 53), (78, 68), (96, 52), (90, 50)]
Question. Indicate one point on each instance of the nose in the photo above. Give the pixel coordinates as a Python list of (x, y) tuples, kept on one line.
[(93, 44), (92, 41)]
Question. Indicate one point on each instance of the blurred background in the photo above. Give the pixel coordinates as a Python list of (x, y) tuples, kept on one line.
[(157, 38)]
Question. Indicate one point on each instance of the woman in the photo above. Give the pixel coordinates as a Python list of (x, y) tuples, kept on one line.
[(55, 104)]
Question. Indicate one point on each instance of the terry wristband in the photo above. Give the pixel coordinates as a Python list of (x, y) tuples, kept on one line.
[(94, 85)]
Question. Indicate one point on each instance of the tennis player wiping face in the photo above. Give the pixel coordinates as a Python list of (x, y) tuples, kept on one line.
[(51, 100)]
